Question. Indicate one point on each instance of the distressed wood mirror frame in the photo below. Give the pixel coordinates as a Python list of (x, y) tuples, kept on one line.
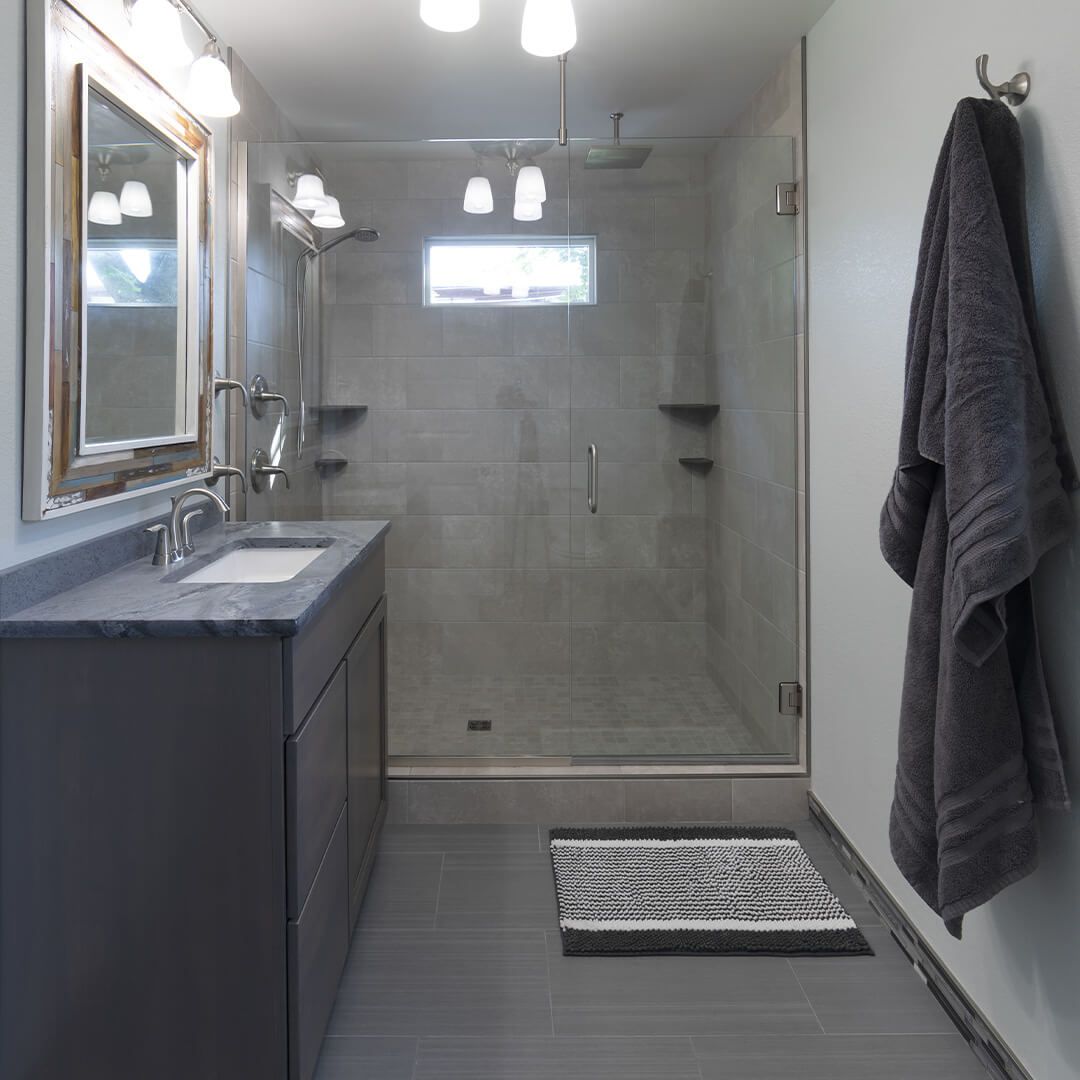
[(67, 55)]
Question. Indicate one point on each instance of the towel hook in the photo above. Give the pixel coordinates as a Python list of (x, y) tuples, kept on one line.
[(1014, 92)]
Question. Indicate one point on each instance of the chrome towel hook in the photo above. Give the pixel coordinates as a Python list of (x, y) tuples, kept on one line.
[(1013, 92)]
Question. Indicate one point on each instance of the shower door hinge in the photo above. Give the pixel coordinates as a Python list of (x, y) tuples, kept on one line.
[(787, 199), (790, 699)]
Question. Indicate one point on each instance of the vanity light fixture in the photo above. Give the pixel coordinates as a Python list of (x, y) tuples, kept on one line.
[(210, 89), (159, 32), (450, 16), (104, 209), (548, 27), (478, 197), (530, 185), (135, 200), (328, 216), (528, 211), (310, 193)]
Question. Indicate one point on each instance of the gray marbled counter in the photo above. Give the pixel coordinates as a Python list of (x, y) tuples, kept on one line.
[(142, 600)]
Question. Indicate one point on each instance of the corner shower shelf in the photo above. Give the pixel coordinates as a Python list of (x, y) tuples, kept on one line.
[(339, 407), (331, 463), (699, 410), (702, 463)]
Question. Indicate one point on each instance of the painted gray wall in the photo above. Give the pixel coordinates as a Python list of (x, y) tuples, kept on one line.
[(883, 80)]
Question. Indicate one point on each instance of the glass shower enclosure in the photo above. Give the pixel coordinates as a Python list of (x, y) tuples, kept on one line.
[(580, 418)]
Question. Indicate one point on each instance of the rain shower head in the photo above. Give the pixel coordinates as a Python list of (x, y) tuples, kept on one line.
[(616, 155)]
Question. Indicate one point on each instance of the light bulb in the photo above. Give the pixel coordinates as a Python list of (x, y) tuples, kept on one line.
[(160, 34), (530, 185), (210, 89), (310, 194), (548, 27), (104, 208), (328, 216), (450, 16), (478, 197), (135, 200), (528, 211)]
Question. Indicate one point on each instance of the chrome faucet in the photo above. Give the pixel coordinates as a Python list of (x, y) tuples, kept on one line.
[(259, 393), (178, 535), (217, 471), (260, 467), (230, 384)]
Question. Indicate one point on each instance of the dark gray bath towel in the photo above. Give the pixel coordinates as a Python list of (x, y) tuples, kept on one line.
[(977, 499)]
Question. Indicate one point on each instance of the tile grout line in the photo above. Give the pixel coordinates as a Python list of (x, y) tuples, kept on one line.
[(416, 1057), (547, 967), (438, 891), (805, 995)]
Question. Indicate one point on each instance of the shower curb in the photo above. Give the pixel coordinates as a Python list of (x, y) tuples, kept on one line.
[(983, 1038)]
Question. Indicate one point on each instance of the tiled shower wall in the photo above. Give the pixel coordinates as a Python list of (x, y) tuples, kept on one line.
[(469, 447), (755, 506)]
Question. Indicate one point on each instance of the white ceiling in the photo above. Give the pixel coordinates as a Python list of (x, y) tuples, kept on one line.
[(370, 69)]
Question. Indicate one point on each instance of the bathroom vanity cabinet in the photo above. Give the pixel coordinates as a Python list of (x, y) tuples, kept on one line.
[(187, 826)]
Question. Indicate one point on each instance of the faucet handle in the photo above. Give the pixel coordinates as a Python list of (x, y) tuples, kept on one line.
[(161, 547), (185, 530)]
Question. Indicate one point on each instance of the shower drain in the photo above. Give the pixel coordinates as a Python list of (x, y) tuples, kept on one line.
[(479, 725)]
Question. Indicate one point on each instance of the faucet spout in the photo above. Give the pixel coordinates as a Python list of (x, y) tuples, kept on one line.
[(178, 503)]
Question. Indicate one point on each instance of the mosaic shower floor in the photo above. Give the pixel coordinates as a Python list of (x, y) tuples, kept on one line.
[(538, 716)]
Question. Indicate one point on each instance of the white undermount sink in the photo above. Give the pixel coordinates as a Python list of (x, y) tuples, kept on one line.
[(253, 565)]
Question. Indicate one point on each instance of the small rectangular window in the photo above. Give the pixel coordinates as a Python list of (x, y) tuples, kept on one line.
[(509, 271), (131, 273)]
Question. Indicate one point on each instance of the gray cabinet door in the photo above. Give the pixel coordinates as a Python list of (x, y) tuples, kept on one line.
[(366, 738)]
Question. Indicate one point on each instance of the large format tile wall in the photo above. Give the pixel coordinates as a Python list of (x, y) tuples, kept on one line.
[(469, 446), (755, 582)]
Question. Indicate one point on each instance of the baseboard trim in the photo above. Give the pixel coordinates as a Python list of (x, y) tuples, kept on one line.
[(988, 1045)]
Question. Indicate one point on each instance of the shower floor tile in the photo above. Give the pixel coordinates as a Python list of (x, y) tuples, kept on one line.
[(548, 716)]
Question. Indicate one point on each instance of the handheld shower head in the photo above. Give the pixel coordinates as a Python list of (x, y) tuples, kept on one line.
[(363, 235)]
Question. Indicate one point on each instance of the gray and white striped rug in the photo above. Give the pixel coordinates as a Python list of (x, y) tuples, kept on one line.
[(725, 889)]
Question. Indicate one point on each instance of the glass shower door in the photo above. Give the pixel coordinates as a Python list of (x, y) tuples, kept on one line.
[(684, 586)]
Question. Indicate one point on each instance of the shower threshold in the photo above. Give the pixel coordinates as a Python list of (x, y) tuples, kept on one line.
[(446, 768)]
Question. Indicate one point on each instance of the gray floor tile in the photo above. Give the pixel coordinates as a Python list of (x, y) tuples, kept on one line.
[(402, 891), (556, 1059), (877, 994), (441, 838), (428, 982), (675, 995), (346, 1058), (838, 879), (838, 1057), (497, 890)]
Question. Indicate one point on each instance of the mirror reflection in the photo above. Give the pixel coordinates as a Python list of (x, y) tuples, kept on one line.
[(135, 365)]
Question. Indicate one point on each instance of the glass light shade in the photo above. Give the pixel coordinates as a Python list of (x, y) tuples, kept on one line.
[(160, 33), (210, 89), (528, 211), (328, 216), (310, 194), (135, 200), (104, 209), (450, 16), (548, 27), (478, 197), (530, 185)]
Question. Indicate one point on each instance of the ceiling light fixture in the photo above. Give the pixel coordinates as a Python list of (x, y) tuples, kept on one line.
[(450, 16), (548, 27), (210, 89), (328, 216), (478, 197), (530, 185), (135, 200), (104, 209), (310, 193), (528, 211)]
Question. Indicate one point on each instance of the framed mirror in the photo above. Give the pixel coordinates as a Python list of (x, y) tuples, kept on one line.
[(119, 372)]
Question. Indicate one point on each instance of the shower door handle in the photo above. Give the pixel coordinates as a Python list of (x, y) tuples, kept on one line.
[(592, 487)]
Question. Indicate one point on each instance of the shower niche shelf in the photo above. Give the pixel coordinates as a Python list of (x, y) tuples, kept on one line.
[(335, 407), (700, 464), (697, 410)]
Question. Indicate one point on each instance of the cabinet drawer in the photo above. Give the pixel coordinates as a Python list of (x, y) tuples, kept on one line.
[(318, 943), (315, 788), (311, 656)]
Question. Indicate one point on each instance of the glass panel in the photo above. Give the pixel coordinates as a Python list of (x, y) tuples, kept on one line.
[(684, 579)]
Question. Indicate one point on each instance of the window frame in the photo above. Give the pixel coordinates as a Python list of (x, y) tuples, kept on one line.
[(510, 240)]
